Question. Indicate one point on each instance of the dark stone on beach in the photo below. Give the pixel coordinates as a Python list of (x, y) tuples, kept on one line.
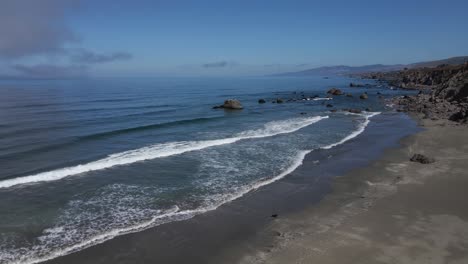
[(379, 93), (422, 159), (368, 109), (363, 96), (329, 105), (261, 101), (303, 113), (279, 101), (349, 95), (274, 215), (335, 91), (230, 104), (355, 111), (333, 110)]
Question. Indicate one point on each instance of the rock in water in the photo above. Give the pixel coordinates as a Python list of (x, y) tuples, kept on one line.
[(335, 91), (261, 101), (230, 104), (363, 96), (422, 159)]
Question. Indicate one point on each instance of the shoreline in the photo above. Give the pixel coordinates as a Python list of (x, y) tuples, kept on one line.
[(213, 234), (392, 211)]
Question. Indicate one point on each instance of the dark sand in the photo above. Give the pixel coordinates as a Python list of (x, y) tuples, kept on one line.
[(393, 211), (243, 226)]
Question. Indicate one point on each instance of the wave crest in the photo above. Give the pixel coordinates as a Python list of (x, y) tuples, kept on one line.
[(163, 150)]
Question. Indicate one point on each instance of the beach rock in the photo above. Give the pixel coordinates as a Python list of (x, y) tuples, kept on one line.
[(261, 101), (274, 215), (335, 91), (368, 109), (329, 105), (349, 95), (422, 159), (363, 96), (333, 110), (279, 101), (230, 104)]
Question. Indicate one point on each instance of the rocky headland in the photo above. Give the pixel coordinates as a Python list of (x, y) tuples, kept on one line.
[(443, 90)]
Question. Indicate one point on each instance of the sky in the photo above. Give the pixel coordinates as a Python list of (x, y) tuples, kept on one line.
[(117, 38)]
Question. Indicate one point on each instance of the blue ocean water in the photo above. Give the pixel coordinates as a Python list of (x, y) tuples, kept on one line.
[(83, 161)]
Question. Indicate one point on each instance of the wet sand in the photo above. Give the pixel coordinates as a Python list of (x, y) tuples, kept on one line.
[(393, 211)]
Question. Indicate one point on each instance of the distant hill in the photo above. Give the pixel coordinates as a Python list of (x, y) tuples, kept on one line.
[(344, 70), (432, 64)]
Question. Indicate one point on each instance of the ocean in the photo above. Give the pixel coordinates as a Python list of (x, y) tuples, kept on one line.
[(83, 161)]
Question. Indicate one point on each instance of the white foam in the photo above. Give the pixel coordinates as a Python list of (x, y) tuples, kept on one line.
[(163, 150), (173, 214), (320, 99), (356, 133)]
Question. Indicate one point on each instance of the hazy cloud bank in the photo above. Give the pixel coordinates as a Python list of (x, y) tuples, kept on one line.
[(39, 28)]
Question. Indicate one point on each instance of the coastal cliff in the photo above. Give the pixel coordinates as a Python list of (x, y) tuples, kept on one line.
[(443, 91)]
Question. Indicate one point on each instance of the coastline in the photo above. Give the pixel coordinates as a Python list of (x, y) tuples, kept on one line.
[(392, 211), (235, 226)]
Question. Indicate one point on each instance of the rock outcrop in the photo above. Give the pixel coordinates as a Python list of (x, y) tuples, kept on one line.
[(448, 100), (230, 104), (443, 91)]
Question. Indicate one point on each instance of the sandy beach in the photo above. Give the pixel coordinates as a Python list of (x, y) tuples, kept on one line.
[(393, 211)]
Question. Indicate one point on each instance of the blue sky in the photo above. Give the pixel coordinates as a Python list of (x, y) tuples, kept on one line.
[(186, 38)]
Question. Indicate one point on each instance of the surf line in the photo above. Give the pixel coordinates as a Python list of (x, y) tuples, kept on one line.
[(163, 150)]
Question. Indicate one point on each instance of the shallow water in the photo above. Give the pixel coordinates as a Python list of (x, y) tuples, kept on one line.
[(84, 161)]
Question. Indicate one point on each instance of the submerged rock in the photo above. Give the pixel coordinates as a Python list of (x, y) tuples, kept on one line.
[(261, 101), (422, 159), (355, 111), (363, 96), (355, 85)]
